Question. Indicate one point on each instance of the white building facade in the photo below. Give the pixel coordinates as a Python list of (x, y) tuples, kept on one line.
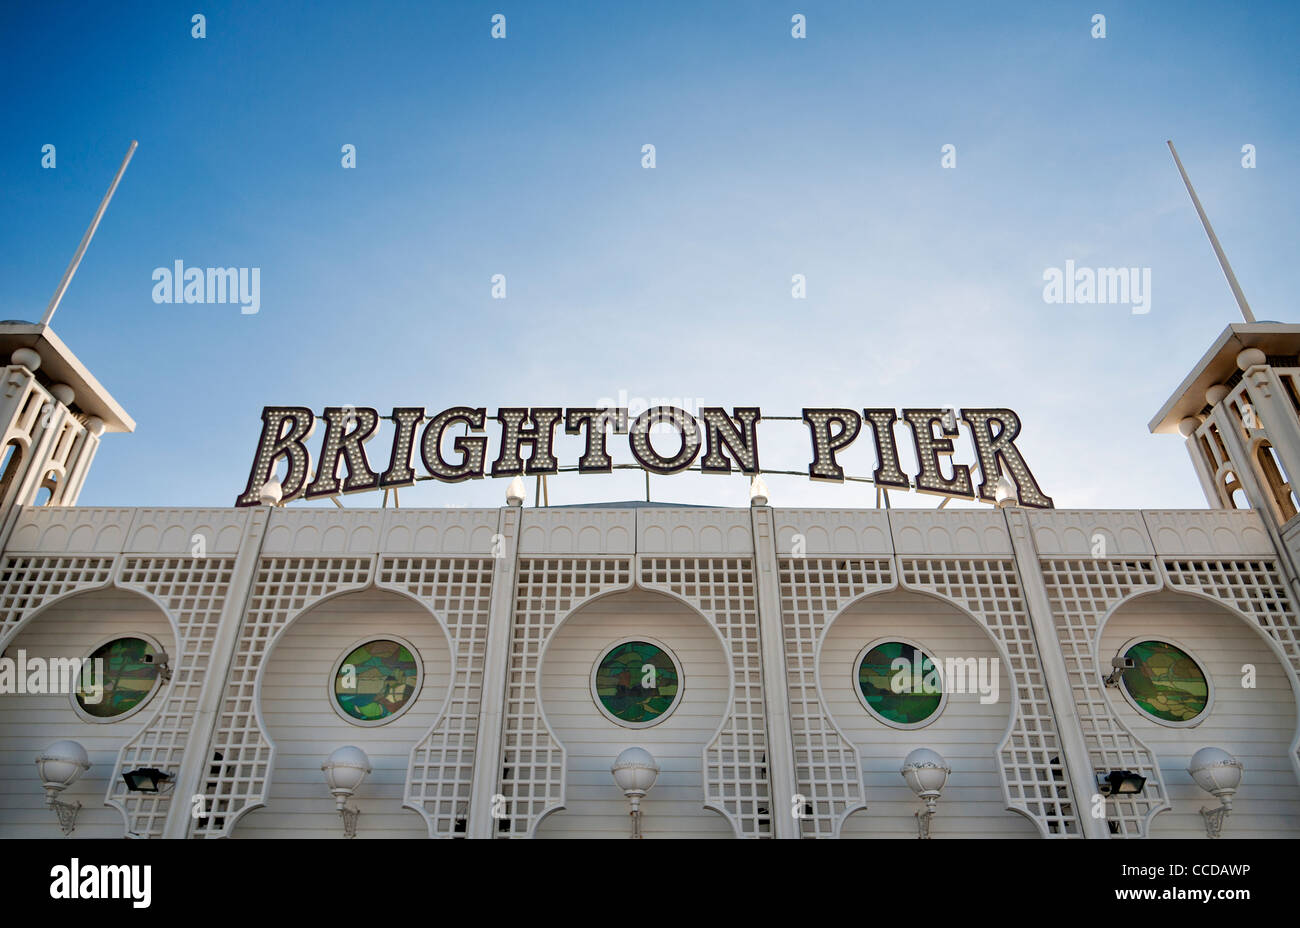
[(497, 638)]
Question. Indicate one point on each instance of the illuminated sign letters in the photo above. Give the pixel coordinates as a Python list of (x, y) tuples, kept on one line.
[(722, 442)]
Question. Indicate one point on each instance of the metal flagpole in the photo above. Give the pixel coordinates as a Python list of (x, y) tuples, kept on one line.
[(85, 239), (1214, 240)]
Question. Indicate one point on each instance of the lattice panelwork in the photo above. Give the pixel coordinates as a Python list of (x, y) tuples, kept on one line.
[(532, 760), (735, 762), (284, 587), (828, 772), (1254, 587), (440, 776), (27, 583), (194, 591), (1081, 593), (1030, 757)]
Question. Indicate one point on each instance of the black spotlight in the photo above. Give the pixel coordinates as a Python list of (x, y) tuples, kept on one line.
[(145, 780), (1120, 783)]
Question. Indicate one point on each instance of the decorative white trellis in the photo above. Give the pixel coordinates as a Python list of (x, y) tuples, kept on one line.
[(194, 592), (1032, 765), (532, 768), (440, 773), (828, 772), (735, 762), (28, 583), (1082, 593), (1252, 586), (241, 751)]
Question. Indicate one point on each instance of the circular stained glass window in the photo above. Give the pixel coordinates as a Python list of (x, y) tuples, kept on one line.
[(899, 684), (637, 683), (1166, 683), (120, 678), (376, 681)]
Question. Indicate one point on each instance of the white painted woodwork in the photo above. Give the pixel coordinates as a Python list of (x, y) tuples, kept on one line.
[(305, 729), (1255, 725), (31, 722), (595, 807), (967, 733)]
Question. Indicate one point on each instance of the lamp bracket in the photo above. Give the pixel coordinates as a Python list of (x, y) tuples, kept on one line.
[(349, 812), (923, 824), (1214, 820), (67, 813)]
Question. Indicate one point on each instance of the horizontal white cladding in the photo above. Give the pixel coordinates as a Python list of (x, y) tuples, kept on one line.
[(967, 731), (31, 722), (1252, 716), (304, 532), (294, 698), (594, 806)]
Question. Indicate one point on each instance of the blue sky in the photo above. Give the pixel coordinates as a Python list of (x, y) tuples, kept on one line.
[(775, 156)]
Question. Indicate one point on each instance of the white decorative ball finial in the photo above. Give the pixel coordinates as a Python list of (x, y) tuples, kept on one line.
[(271, 493), (1004, 493), (27, 358), (1251, 357)]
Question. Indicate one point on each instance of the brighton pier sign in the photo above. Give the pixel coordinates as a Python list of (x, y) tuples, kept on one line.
[(726, 440)]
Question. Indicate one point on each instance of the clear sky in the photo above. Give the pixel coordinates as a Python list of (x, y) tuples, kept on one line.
[(775, 156)]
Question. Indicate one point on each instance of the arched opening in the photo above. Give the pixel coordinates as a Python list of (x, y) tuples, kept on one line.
[(677, 736), (1275, 480), (31, 721), (1250, 713), (1232, 492), (966, 730), (48, 488), (10, 467), (312, 704)]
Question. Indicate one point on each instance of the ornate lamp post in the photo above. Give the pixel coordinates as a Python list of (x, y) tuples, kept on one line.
[(344, 771), (635, 771), (926, 772), (59, 766), (1219, 774)]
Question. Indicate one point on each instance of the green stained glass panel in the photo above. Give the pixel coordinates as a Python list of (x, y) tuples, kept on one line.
[(1165, 682), (127, 678), (637, 682), (376, 680), (878, 673)]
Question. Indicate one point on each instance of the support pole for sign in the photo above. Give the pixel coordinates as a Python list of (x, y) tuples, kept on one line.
[(1214, 241), (85, 239), (647, 485)]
